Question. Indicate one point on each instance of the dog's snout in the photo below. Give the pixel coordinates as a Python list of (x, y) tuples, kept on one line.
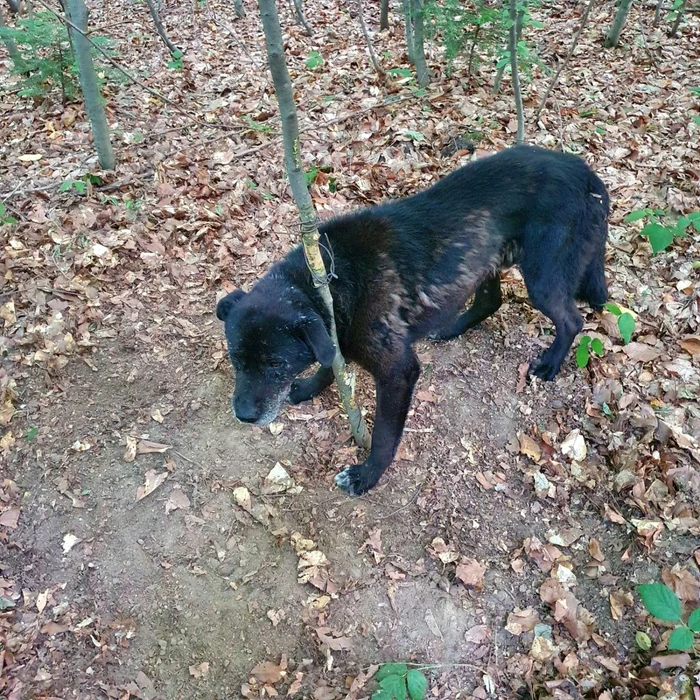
[(246, 412)]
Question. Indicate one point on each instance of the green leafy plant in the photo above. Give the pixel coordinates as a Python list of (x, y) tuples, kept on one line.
[(256, 126), (661, 229), (310, 175), (77, 185), (663, 604), (398, 682), (176, 61), (583, 352), (625, 321), (4, 217), (47, 55), (314, 60)]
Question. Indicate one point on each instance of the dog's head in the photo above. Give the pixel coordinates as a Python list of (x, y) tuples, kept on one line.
[(270, 342)]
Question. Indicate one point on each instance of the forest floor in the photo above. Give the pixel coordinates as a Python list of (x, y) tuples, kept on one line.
[(151, 547)]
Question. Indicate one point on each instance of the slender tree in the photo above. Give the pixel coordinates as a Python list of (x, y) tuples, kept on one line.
[(301, 19), (239, 9), (418, 45), (78, 16), (161, 29), (408, 29), (612, 38), (502, 67), (657, 12), (514, 70), (307, 213), (13, 5), (384, 15), (373, 56), (678, 18), (10, 45)]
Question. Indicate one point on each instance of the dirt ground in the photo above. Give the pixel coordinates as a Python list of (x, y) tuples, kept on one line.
[(152, 547)]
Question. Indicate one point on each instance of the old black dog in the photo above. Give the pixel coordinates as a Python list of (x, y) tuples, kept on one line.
[(405, 270)]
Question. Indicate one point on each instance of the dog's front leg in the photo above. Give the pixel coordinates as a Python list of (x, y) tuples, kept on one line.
[(395, 386)]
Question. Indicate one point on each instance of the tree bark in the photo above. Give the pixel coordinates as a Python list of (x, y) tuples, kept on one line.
[(299, 11), (345, 379), (501, 70), (408, 30), (677, 20), (384, 15), (477, 31), (14, 6), (239, 9), (368, 39), (10, 45), (613, 37), (418, 47), (555, 77), (161, 29), (657, 12), (520, 138), (88, 82)]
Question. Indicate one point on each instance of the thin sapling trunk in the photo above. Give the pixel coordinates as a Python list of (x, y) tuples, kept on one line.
[(613, 37), (384, 15), (368, 39), (514, 69), (88, 82), (345, 379), (408, 29), (418, 46), (175, 52)]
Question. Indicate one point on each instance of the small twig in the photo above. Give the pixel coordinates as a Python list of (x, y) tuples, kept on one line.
[(555, 77), (373, 57), (406, 505), (652, 58), (132, 78)]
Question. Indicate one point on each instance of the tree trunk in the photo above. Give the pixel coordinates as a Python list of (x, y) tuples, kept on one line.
[(384, 15), (161, 29), (565, 62), (516, 21), (613, 37), (239, 9), (470, 64), (309, 230), (408, 29), (657, 12), (10, 45), (368, 39), (88, 82), (677, 20), (300, 17), (418, 48), (501, 70), (14, 6)]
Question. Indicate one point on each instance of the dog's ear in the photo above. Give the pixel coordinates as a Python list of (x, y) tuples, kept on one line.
[(223, 308), (319, 340)]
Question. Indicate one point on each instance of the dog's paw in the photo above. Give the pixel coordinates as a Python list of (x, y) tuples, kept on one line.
[(353, 481), (543, 370), (300, 392)]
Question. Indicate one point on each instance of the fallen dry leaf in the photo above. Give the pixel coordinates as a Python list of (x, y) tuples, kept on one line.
[(574, 446), (200, 670), (333, 640), (69, 541), (520, 621), (529, 447), (10, 518), (641, 352), (177, 499), (153, 481), (471, 573), (480, 634), (145, 447)]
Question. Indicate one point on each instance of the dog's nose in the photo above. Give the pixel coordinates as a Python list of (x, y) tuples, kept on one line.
[(247, 414)]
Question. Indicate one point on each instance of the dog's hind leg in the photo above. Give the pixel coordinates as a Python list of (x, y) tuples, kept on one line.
[(309, 387), (487, 301), (395, 383), (593, 288), (561, 309)]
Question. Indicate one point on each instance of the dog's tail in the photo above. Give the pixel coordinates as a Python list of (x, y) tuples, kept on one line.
[(593, 288)]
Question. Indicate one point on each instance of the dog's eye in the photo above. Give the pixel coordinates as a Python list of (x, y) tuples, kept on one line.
[(276, 364)]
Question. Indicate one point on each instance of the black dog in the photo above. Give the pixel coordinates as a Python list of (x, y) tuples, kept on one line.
[(405, 270)]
